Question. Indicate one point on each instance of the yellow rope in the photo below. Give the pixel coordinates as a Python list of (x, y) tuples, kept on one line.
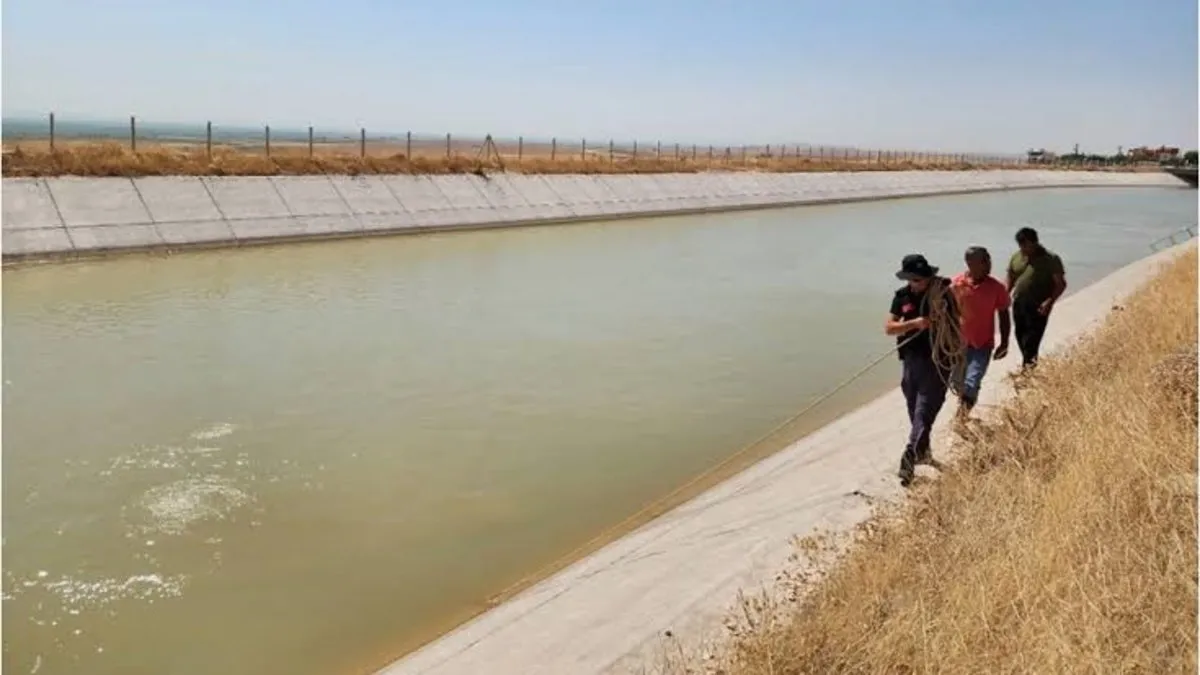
[(947, 343)]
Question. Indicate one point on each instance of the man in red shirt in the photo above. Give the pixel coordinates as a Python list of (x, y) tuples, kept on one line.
[(980, 298)]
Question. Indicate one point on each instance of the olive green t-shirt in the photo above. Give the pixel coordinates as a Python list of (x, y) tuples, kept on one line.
[(1034, 276)]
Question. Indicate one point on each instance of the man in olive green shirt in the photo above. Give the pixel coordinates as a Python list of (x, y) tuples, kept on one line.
[(1036, 279)]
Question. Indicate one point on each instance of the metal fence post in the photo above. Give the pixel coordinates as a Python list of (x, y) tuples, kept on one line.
[(553, 149), (133, 133), (310, 141), (51, 132), (208, 139), (610, 151), (267, 137), (408, 146), (362, 142), (583, 150), (520, 148), (658, 151), (447, 146)]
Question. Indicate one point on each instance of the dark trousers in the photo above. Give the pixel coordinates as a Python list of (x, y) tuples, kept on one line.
[(1028, 326), (924, 388)]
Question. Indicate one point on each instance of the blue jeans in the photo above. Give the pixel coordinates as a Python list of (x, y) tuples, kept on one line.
[(974, 368)]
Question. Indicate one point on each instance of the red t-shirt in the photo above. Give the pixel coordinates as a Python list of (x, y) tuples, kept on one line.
[(978, 302)]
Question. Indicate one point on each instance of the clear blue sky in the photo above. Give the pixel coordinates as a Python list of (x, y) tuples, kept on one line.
[(958, 75)]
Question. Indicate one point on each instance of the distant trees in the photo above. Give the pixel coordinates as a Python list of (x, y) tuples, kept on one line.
[(1162, 155)]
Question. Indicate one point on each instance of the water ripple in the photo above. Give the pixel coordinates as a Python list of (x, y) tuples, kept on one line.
[(172, 508)]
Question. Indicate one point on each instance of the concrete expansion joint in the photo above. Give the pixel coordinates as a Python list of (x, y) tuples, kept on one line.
[(72, 217)]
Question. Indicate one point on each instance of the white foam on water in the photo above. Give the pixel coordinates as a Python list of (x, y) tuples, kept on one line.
[(217, 430), (147, 587), (149, 457), (174, 507), (169, 457)]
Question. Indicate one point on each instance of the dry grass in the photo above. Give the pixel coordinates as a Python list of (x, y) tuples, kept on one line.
[(1063, 540), (86, 158)]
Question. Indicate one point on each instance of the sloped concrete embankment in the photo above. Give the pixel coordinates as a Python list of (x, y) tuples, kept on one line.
[(665, 588), (48, 218)]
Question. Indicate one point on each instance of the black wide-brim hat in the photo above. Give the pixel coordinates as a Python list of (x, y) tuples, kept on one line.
[(915, 266)]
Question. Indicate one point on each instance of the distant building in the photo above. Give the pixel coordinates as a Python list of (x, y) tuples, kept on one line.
[(1159, 154)]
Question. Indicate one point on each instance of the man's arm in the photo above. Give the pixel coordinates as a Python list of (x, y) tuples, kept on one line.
[(1060, 279), (1003, 311), (1059, 276), (894, 325), (953, 300), (1005, 325)]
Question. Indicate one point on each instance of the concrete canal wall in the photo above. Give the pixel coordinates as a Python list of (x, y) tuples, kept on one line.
[(46, 218)]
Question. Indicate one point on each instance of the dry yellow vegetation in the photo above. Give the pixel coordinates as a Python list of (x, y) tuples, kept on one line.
[(1063, 540), (32, 159)]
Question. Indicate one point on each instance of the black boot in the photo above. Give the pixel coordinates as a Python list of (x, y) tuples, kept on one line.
[(906, 471)]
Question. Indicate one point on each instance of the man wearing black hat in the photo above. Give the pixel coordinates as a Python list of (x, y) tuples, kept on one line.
[(923, 381)]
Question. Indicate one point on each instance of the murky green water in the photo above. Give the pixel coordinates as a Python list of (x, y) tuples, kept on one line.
[(298, 459)]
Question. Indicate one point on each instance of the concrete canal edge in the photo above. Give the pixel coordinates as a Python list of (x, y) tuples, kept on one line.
[(668, 584), (66, 218)]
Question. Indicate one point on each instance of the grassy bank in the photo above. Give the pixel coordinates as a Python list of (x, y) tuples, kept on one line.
[(35, 158), (1062, 541)]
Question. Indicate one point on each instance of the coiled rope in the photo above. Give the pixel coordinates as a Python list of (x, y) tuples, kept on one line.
[(947, 341), (948, 356)]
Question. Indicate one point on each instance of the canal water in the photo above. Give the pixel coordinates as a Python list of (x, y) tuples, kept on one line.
[(304, 459)]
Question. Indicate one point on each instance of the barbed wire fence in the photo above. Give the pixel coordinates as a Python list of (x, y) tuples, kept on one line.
[(313, 142)]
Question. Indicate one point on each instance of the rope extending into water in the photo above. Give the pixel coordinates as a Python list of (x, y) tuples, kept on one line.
[(948, 356)]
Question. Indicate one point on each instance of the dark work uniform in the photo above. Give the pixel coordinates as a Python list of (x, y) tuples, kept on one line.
[(1033, 285), (923, 382)]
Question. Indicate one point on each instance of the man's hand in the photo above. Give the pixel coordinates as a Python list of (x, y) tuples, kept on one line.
[(1001, 351), (919, 323), (1046, 306)]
